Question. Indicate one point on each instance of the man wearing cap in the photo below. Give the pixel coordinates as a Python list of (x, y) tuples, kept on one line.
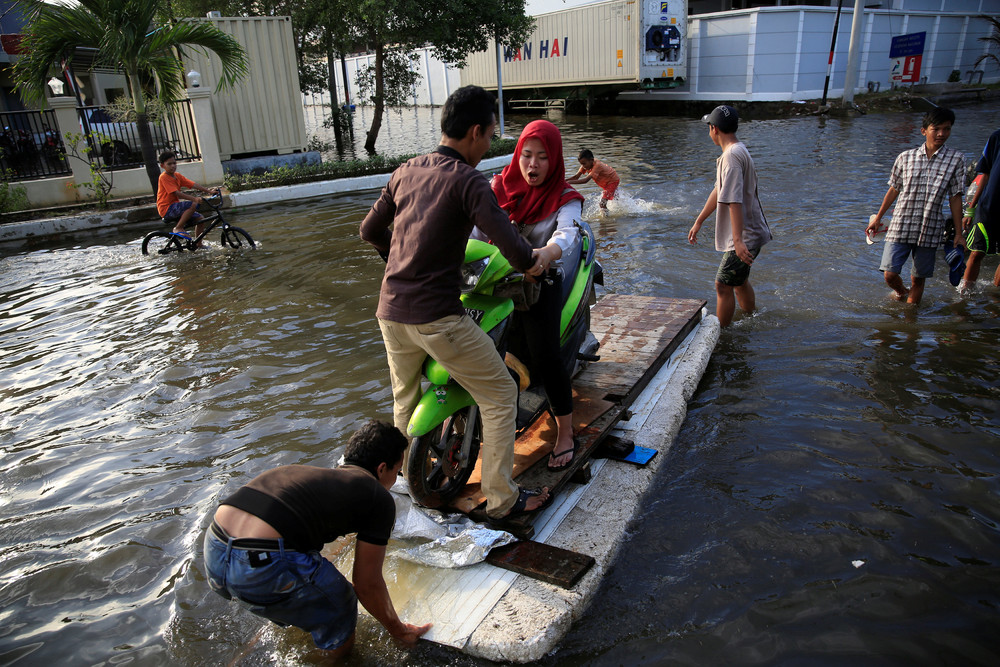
[(740, 227)]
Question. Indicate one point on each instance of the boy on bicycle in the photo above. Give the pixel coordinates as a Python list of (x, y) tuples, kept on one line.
[(168, 196)]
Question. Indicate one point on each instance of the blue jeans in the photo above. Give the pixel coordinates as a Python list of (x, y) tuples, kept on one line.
[(284, 586)]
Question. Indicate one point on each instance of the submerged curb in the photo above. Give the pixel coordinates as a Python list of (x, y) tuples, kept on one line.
[(248, 198), (14, 234), (31, 232), (532, 617)]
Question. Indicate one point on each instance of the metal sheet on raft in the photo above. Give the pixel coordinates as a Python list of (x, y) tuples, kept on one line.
[(457, 600)]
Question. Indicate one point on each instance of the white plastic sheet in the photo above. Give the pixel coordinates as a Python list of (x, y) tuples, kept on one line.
[(432, 538)]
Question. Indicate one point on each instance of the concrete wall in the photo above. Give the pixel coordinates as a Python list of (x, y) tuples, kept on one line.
[(781, 53)]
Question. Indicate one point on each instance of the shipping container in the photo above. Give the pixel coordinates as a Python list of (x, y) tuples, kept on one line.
[(262, 114), (615, 45)]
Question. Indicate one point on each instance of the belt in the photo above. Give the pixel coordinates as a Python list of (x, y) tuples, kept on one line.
[(247, 543)]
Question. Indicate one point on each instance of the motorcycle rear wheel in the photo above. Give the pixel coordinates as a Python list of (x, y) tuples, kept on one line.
[(432, 471)]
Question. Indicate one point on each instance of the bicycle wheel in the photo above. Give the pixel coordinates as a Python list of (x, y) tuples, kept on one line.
[(234, 237), (161, 243)]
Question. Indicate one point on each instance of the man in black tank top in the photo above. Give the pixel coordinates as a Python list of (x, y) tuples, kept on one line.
[(263, 546)]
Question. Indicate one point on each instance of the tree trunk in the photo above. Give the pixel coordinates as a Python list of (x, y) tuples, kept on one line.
[(145, 136), (379, 99), (148, 151)]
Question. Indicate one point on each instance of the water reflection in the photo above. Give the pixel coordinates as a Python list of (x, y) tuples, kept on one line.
[(833, 427)]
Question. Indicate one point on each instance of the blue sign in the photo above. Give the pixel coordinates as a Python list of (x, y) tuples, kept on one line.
[(907, 45)]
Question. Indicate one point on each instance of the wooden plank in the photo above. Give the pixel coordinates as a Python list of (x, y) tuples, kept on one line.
[(554, 565), (637, 335), (536, 442)]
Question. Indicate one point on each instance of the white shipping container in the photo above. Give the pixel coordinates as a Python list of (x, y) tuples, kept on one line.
[(630, 43), (263, 113)]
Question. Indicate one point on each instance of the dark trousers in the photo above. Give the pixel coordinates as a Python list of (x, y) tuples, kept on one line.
[(541, 330)]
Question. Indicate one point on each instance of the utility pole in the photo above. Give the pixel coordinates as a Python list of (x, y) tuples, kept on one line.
[(833, 45), (851, 79), (499, 85)]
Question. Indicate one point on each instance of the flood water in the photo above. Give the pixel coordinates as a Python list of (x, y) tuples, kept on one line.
[(832, 495)]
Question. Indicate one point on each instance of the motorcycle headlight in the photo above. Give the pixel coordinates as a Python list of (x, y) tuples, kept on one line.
[(471, 271)]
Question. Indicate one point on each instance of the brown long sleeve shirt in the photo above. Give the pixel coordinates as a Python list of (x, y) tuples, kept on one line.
[(432, 203)]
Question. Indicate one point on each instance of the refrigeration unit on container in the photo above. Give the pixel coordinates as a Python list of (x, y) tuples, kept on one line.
[(620, 44)]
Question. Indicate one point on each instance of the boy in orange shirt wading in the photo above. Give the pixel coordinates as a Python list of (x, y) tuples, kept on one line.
[(168, 195), (603, 175)]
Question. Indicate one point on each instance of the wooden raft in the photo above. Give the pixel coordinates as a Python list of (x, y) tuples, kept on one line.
[(637, 335)]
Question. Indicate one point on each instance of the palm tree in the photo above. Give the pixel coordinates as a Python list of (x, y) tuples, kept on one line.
[(124, 35), (993, 41)]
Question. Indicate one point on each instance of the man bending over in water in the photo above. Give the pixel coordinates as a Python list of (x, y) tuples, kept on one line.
[(263, 546)]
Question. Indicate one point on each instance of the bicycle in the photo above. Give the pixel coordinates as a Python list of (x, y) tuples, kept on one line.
[(164, 243)]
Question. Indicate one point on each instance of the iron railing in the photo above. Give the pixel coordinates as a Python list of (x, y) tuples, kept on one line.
[(30, 146), (32, 143), (116, 145)]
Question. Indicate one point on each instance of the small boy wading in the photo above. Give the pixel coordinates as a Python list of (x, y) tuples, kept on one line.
[(603, 175), (922, 178), (169, 195), (740, 227)]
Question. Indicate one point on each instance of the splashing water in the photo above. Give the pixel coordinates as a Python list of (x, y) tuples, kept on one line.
[(624, 205)]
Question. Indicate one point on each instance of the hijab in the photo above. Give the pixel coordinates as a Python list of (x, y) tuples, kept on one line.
[(526, 204)]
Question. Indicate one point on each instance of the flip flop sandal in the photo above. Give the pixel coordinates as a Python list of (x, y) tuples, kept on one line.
[(576, 448), (519, 508)]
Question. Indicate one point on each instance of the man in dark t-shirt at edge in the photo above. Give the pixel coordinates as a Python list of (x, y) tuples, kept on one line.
[(432, 203), (263, 546)]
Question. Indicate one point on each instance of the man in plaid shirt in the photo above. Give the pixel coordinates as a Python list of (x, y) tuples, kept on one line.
[(922, 179)]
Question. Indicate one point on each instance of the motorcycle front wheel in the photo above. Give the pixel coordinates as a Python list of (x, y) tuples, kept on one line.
[(433, 471)]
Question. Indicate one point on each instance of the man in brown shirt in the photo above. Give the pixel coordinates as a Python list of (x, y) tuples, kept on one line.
[(432, 203)]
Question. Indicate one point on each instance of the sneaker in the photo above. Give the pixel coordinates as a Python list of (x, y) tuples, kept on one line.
[(956, 262)]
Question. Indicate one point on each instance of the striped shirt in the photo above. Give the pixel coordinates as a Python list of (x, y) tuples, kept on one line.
[(925, 184)]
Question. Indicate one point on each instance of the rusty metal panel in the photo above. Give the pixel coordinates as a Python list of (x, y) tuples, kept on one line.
[(263, 112), (592, 44), (555, 565)]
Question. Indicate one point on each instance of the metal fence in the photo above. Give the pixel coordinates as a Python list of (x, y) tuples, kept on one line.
[(30, 146), (116, 145)]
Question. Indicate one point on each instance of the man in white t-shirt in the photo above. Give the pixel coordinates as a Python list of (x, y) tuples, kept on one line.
[(740, 227)]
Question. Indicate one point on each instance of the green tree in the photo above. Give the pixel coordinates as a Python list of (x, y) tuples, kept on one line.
[(390, 29), (992, 41), (453, 28), (125, 36)]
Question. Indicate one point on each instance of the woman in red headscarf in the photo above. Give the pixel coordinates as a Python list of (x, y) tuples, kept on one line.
[(546, 210)]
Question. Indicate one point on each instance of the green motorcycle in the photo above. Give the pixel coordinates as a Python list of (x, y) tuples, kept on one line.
[(446, 427)]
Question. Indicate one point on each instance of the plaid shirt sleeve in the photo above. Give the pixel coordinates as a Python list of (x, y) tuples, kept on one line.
[(896, 175)]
